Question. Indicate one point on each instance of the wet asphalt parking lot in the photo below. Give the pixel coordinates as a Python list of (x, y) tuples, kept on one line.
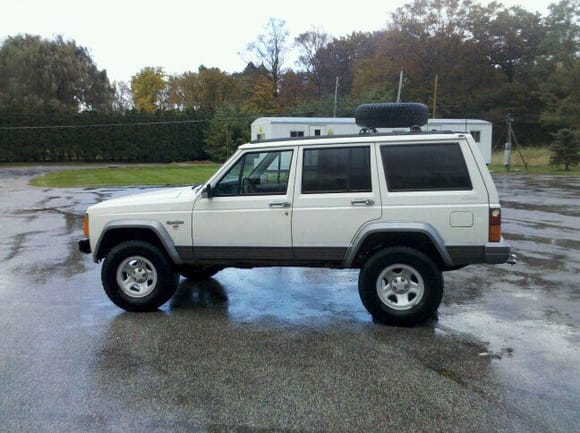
[(287, 350)]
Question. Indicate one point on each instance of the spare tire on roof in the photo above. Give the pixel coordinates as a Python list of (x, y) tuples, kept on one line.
[(391, 115)]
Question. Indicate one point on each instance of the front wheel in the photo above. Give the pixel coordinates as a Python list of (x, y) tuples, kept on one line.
[(137, 276), (400, 286)]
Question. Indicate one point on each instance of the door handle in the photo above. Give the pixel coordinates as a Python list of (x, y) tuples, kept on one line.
[(367, 202), (279, 204)]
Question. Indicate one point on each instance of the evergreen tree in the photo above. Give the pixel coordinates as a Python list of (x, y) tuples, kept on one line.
[(565, 148), (227, 130)]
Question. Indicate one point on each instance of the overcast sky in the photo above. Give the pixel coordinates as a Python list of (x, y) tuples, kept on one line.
[(124, 36)]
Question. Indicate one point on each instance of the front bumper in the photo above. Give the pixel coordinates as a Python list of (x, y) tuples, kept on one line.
[(85, 246), (498, 253)]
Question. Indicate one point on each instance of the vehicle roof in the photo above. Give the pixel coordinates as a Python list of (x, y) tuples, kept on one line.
[(458, 122), (356, 138), (352, 120)]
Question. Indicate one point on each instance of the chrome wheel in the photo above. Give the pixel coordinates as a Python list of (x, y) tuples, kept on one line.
[(400, 287), (136, 277)]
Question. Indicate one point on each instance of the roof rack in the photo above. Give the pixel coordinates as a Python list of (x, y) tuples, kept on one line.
[(365, 134)]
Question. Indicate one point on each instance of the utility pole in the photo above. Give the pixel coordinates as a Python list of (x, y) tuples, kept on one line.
[(435, 96), (507, 153), (335, 97), (400, 86), (227, 140), (508, 146)]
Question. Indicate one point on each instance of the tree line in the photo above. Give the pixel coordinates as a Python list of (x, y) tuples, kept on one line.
[(488, 61)]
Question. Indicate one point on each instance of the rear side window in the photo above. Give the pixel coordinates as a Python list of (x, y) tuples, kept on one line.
[(425, 167), (345, 169)]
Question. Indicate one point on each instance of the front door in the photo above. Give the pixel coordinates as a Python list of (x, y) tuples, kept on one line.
[(248, 217)]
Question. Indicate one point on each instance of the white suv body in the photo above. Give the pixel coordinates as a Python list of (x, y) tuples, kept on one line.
[(423, 200)]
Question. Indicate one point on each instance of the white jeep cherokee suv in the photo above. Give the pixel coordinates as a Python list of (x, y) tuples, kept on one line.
[(401, 207)]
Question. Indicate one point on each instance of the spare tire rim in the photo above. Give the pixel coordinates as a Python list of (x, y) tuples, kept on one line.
[(400, 287), (136, 277)]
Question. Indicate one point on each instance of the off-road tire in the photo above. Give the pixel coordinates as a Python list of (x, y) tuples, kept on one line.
[(384, 278), (199, 273), (137, 276), (391, 115)]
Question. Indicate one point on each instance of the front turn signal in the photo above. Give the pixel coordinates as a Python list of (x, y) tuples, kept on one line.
[(86, 226)]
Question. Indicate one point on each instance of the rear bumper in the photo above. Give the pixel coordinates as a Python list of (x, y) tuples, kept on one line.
[(498, 252), (492, 253), (85, 246)]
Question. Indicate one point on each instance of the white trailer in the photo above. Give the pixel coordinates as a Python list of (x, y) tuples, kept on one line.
[(266, 128)]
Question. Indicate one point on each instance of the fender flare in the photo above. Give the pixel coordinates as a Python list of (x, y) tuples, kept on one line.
[(153, 225), (397, 227)]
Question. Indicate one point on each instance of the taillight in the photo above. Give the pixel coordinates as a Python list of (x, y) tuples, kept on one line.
[(86, 226), (495, 225)]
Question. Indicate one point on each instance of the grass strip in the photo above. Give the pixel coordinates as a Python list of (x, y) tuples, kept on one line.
[(127, 175), (538, 159)]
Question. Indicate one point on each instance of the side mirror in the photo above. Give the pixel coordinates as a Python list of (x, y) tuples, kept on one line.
[(207, 191)]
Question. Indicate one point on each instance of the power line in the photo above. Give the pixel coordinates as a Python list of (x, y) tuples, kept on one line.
[(130, 124), (110, 125), (102, 125), (166, 122)]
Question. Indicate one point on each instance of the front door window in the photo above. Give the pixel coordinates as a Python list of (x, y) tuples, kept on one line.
[(257, 173)]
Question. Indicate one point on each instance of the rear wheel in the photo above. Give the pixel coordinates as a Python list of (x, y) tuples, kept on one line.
[(137, 276), (400, 286)]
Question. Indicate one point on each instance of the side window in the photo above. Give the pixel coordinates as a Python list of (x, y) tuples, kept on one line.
[(425, 167), (257, 173), (345, 169)]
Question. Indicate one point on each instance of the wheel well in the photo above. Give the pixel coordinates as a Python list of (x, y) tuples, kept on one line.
[(115, 236), (378, 241)]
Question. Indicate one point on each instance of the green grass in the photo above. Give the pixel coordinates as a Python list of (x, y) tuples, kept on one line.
[(538, 159), (127, 175)]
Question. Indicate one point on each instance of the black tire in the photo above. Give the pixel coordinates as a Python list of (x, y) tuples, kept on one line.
[(137, 276), (401, 272), (391, 115), (199, 273)]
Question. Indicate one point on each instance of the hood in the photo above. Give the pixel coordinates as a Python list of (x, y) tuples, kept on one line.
[(144, 201)]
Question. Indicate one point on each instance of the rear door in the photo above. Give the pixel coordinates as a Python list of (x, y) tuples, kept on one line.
[(336, 192)]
